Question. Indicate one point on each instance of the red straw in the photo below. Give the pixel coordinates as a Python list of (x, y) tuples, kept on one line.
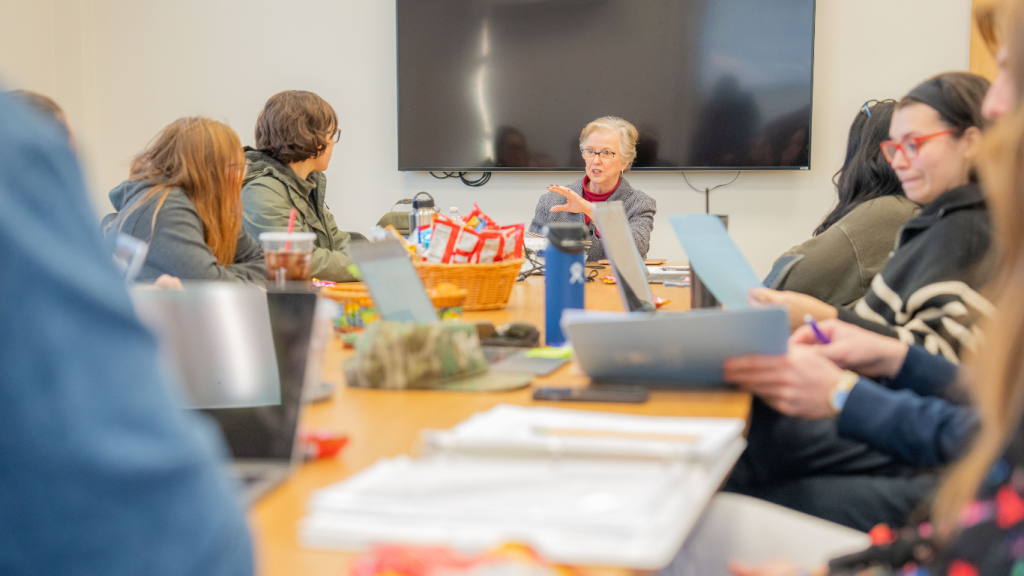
[(291, 226)]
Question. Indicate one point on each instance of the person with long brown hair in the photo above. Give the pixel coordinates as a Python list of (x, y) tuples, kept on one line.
[(183, 196)]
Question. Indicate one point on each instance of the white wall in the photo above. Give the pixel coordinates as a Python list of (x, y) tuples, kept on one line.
[(125, 68)]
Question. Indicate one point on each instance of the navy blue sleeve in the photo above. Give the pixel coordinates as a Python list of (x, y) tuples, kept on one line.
[(921, 431), (924, 373), (101, 472)]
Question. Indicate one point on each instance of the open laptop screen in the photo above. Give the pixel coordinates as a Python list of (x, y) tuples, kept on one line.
[(625, 260), (241, 355), (268, 432)]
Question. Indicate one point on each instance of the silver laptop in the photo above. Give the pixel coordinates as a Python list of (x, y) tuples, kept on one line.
[(671, 349), (243, 356), (627, 265), (391, 278)]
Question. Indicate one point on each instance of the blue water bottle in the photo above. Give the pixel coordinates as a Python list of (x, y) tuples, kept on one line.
[(564, 276)]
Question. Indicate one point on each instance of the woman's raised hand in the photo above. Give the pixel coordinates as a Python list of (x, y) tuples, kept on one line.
[(575, 203)]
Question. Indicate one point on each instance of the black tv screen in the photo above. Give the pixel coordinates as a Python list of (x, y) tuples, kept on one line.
[(491, 85)]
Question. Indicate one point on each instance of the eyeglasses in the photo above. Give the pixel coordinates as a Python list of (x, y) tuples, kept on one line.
[(866, 107), (589, 153), (910, 146)]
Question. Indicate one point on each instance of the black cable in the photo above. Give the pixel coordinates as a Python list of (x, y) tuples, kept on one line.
[(708, 190), (483, 179), (536, 268)]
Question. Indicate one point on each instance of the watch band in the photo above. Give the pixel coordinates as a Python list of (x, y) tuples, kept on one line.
[(841, 391)]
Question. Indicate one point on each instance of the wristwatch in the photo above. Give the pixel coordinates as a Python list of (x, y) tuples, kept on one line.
[(841, 391)]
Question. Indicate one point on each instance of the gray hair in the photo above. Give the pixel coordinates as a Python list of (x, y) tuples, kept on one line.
[(627, 136)]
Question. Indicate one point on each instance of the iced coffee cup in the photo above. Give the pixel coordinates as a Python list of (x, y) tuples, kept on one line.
[(289, 256)]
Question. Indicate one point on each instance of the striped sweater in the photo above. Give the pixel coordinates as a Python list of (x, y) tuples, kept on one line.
[(640, 209), (928, 291)]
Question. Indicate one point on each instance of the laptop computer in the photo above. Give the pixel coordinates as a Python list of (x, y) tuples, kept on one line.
[(389, 275), (247, 359), (626, 263)]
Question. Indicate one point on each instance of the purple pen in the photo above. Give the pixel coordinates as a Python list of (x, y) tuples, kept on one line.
[(822, 339)]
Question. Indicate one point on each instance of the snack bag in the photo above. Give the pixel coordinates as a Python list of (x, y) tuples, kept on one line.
[(466, 247), (512, 247), (443, 237), (478, 221), (491, 244)]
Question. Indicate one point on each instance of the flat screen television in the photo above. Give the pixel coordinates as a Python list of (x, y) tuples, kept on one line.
[(496, 85)]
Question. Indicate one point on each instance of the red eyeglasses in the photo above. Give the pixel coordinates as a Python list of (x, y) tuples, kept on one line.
[(910, 146)]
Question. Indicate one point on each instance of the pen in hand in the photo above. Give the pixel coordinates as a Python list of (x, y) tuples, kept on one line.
[(822, 339)]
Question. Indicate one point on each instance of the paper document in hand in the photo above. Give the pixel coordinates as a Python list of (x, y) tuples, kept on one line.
[(715, 258), (544, 431)]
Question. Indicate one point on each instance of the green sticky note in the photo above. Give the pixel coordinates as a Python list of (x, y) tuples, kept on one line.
[(554, 352)]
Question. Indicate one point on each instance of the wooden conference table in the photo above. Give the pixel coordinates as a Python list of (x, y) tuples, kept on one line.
[(384, 423)]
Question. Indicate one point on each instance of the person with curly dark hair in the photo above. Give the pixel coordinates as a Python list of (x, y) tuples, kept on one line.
[(295, 136)]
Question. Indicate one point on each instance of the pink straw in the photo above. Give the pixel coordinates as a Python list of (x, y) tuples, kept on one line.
[(291, 226)]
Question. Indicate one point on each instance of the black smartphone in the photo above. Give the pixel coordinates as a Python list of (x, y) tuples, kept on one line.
[(631, 395)]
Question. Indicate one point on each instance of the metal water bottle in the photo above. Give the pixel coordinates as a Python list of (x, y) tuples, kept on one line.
[(564, 276), (421, 217)]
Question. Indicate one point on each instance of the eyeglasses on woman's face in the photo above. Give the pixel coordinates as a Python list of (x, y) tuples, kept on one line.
[(589, 153), (910, 145)]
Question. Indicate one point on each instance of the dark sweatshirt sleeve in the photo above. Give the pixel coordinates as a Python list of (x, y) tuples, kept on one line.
[(924, 373), (249, 258), (922, 431), (851, 317)]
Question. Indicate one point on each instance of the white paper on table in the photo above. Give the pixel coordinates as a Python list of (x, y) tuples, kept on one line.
[(559, 431)]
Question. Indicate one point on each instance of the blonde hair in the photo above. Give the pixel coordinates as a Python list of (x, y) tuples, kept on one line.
[(204, 158), (999, 367), (624, 130)]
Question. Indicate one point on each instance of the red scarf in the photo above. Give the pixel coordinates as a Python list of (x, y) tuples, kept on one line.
[(595, 197)]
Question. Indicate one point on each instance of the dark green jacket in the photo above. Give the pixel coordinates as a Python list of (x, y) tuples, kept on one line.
[(270, 191), (839, 263)]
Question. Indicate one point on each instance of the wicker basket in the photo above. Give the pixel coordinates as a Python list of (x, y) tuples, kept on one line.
[(358, 308), (489, 285)]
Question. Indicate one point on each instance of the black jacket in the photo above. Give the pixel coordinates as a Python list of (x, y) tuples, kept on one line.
[(928, 291)]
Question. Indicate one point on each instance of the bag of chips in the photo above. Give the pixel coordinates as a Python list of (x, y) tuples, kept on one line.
[(491, 243), (477, 220), (512, 246), (467, 247), (443, 237)]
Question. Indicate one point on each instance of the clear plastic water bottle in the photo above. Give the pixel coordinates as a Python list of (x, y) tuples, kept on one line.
[(453, 214)]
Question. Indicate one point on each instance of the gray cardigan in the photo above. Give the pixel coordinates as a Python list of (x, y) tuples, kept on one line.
[(640, 209), (176, 243)]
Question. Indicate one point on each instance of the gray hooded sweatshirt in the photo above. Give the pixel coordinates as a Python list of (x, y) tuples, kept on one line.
[(176, 243)]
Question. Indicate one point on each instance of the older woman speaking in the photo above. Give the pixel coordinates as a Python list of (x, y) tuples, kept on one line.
[(609, 146)]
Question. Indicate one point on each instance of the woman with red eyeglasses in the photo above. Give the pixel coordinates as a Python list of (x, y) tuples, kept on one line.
[(927, 293)]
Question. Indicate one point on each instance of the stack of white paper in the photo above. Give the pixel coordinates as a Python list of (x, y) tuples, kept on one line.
[(611, 493)]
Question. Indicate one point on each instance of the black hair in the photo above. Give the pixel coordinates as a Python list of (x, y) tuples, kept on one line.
[(865, 174)]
